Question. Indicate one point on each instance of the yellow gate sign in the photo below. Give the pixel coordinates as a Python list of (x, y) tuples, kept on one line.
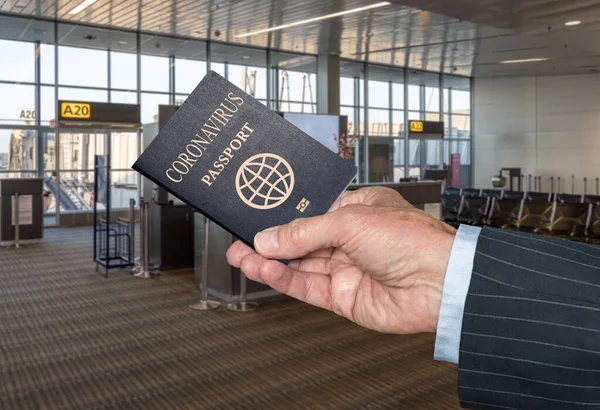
[(74, 110), (416, 126)]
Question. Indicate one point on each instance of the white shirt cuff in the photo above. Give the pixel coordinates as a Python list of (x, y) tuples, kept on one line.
[(456, 287)]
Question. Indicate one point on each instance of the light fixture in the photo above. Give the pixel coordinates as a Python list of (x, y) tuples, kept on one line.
[(573, 23), (312, 20), (82, 6), (525, 60), (245, 57), (122, 42)]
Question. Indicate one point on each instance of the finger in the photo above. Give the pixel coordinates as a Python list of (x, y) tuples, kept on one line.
[(308, 287), (302, 236), (237, 252), (321, 253), (322, 266)]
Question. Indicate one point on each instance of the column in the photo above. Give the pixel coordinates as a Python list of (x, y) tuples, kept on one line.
[(328, 84)]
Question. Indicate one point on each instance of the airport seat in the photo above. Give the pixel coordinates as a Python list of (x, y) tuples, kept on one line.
[(536, 216), (453, 191), (592, 199), (568, 220), (471, 193), (491, 193), (474, 210), (538, 196), (592, 232), (514, 195), (504, 212), (452, 206), (569, 199)]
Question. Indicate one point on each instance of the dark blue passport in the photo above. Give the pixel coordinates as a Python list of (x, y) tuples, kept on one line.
[(240, 164)]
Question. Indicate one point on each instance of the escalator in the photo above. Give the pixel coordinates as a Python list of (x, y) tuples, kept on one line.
[(70, 198)]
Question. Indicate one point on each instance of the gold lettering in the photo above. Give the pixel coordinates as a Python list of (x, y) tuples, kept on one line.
[(233, 107), (237, 100), (215, 117), (206, 180), (171, 178), (201, 142), (187, 160), (212, 125)]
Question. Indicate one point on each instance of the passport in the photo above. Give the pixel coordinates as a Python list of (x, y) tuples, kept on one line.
[(240, 164)]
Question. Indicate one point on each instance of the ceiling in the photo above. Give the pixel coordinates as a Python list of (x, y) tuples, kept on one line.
[(464, 37)]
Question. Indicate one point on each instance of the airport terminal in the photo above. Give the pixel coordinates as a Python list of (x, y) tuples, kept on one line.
[(117, 294)]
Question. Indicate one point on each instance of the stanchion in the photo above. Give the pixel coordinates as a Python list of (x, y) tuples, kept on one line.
[(551, 185), (145, 272), (132, 233), (205, 303), (540, 183), (597, 186), (529, 185), (585, 186), (572, 184), (17, 222), (535, 181), (558, 191), (243, 305)]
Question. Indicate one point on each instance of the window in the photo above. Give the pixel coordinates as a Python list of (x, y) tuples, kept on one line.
[(82, 67), (188, 74), (21, 97), (82, 94), (123, 71), (47, 63), (150, 103), (155, 73), (17, 152), (18, 61)]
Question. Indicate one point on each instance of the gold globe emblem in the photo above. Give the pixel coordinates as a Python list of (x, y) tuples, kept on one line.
[(264, 181)]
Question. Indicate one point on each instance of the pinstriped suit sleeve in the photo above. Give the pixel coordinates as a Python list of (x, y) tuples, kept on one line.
[(531, 327)]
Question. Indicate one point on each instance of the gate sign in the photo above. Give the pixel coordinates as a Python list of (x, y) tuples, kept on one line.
[(92, 114), (426, 129), (74, 110), (25, 114)]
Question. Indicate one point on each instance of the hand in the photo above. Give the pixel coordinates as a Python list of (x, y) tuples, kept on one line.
[(373, 258)]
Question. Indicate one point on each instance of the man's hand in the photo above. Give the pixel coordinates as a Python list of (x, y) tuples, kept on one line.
[(373, 258)]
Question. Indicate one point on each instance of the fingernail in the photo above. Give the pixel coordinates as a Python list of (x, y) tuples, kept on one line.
[(266, 241)]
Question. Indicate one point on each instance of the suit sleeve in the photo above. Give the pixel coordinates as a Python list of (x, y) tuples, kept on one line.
[(531, 328)]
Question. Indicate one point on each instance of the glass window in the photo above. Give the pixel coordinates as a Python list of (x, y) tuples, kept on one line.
[(123, 97), (398, 123), (18, 61), (47, 63), (123, 150), (461, 126), (349, 112), (48, 104), (150, 103), (77, 189), (82, 66), (414, 97), (17, 151), (123, 188), (22, 97), (123, 70), (78, 148), (252, 80), (461, 102), (188, 74), (379, 94), (347, 91), (82, 94), (432, 99), (379, 122), (218, 68), (155, 73), (398, 96)]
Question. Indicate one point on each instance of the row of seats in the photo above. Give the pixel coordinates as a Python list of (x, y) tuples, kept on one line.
[(575, 217)]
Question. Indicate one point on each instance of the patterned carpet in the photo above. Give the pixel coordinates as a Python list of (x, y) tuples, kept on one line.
[(70, 339)]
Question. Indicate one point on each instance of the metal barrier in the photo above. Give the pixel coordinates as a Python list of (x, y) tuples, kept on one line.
[(205, 303), (17, 221), (243, 305), (145, 272)]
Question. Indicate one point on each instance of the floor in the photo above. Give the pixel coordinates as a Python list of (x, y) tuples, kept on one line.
[(71, 339)]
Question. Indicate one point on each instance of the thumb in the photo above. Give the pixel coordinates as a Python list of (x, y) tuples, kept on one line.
[(303, 236)]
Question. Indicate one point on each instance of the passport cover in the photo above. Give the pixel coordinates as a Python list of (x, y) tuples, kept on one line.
[(240, 164)]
